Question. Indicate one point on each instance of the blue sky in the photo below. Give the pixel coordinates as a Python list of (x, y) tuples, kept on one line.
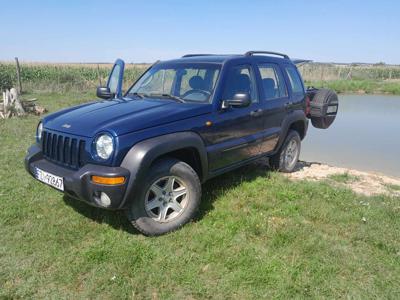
[(144, 31)]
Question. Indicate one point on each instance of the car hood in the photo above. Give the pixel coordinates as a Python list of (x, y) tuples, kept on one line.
[(121, 116)]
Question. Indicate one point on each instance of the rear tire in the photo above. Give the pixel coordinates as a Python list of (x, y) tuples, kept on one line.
[(286, 158), (169, 198)]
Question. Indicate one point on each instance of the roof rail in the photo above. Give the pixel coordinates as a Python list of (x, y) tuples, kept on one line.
[(250, 53), (192, 55)]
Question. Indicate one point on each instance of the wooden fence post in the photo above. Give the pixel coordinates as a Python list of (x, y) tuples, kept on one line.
[(5, 102), (18, 76), (349, 74)]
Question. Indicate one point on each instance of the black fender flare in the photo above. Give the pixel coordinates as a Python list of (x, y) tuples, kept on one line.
[(140, 157), (295, 116)]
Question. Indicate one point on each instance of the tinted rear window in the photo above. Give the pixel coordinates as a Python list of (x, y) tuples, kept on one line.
[(295, 80), (272, 81)]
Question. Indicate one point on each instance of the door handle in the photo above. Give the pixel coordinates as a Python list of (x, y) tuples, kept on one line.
[(256, 113)]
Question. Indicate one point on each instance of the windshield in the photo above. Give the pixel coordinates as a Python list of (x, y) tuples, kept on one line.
[(190, 82)]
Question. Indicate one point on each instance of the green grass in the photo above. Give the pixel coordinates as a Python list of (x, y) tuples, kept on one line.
[(393, 187), (343, 177), (258, 235), (359, 86)]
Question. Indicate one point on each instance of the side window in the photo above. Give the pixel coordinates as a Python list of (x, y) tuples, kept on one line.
[(272, 81), (240, 80), (295, 80)]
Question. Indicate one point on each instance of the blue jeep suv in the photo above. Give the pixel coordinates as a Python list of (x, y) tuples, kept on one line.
[(147, 151)]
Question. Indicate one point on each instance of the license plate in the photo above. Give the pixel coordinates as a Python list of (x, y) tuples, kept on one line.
[(50, 179), (331, 109)]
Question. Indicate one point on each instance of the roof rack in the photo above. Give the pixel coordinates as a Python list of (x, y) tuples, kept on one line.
[(192, 55), (250, 53)]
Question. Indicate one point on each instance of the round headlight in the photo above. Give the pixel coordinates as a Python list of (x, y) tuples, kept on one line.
[(104, 146), (39, 132)]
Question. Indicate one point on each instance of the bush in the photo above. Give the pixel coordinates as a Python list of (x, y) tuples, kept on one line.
[(64, 77), (6, 79)]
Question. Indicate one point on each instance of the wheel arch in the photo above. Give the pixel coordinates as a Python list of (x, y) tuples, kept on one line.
[(185, 146), (189, 155), (300, 127), (298, 121)]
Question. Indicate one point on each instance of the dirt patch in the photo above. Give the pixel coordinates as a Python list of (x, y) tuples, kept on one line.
[(276, 222), (366, 183)]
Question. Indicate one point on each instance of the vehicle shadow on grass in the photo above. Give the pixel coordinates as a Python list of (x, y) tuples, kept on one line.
[(212, 190), (115, 219)]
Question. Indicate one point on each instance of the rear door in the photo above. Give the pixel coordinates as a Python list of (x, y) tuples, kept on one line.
[(274, 99)]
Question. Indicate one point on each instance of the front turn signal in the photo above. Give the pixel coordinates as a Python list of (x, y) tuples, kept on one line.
[(108, 180)]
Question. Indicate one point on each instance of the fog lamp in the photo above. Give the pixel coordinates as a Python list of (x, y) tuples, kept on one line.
[(104, 200)]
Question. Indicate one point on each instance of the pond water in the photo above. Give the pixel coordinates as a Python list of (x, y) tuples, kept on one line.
[(365, 135)]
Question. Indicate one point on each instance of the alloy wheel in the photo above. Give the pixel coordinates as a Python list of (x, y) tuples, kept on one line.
[(166, 199)]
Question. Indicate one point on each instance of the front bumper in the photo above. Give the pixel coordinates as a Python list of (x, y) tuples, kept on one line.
[(77, 183)]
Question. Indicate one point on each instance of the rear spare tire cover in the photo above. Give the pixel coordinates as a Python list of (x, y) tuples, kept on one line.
[(324, 107)]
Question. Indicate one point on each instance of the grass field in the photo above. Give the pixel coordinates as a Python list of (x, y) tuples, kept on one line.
[(367, 86), (61, 78), (258, 235)]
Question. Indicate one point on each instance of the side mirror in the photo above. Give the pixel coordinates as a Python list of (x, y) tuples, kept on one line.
[(104, 92), (238, 100)]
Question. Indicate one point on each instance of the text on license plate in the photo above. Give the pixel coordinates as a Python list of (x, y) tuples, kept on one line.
[(50, 179)]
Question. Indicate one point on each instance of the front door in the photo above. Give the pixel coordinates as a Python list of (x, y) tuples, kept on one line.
[(235, 134)]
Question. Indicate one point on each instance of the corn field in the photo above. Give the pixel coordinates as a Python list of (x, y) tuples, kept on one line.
[(329, 72), (64, 77)]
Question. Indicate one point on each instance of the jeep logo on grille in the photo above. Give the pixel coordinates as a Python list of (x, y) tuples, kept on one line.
[(66, 126)]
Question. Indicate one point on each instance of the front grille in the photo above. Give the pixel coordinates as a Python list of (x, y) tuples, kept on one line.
[(64, 150)]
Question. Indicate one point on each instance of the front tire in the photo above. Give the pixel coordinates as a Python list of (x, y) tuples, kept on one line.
[(169, 198), (286, 158)]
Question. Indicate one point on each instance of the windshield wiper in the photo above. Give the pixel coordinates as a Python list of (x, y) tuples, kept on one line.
[(169, 96), (141, 96)]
